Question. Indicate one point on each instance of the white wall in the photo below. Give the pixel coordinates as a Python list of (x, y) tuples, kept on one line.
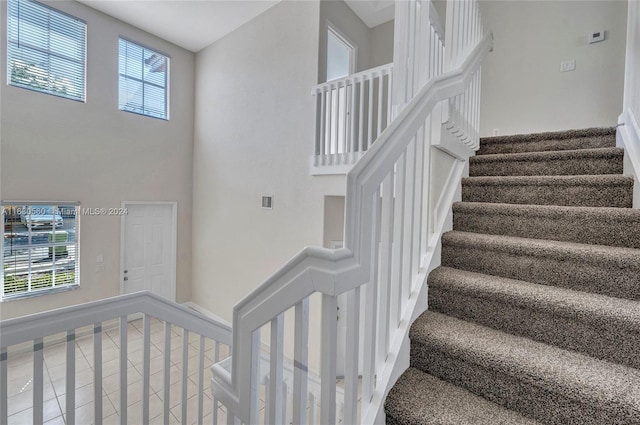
[(523, 89), (59, 149), (254, 132)]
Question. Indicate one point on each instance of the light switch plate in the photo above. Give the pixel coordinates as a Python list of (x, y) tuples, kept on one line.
[(569, 65)]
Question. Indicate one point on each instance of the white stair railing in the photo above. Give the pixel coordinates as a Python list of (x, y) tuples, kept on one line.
[(351, 112), (206, 338), (391, 236)]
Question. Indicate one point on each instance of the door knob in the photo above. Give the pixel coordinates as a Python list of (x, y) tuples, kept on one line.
[(126, 271), (126, 278)]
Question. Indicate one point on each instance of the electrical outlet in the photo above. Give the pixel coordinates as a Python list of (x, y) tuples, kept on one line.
[(496, 131), (569, 65)]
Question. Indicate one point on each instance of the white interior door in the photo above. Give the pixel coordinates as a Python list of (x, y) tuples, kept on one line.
[(149, 253)]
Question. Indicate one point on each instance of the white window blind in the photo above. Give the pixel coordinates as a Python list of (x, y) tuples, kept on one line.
[(143, 80), (45, 49), (40, 248)]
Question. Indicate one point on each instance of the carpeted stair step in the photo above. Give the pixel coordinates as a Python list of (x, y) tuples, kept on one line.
[(580, 191), (606, 270), (554, 163), (603, 327), (603, 226), (421, 399), (552, 385), (551, 141)]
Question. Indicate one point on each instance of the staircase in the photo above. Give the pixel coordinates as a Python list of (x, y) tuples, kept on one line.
[(534, 315)]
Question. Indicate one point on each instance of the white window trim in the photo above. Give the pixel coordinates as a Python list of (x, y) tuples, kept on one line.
[(167, 79), (83, 99)]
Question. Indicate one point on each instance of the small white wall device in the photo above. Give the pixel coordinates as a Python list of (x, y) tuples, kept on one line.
[(596, 36)]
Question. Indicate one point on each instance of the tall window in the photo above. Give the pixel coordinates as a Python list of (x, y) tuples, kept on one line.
[(45, 49), (143, 80), (39, 248)]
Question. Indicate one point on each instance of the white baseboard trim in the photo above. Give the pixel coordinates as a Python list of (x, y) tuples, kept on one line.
[(202, 310)]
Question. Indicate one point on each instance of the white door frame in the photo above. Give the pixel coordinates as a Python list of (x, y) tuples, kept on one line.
[(353, 54), (174, 240)]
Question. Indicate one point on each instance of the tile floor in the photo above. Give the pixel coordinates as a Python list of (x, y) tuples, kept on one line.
[(20, 379)]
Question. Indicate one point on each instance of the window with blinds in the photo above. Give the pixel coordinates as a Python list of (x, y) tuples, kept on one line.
[(46, 49), (143, 80), (40, 248)]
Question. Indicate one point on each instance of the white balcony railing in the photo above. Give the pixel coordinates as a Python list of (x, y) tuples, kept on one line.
[(186, 333), (351, 112)]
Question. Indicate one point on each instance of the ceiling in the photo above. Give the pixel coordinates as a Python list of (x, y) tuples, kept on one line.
[(195, 24)]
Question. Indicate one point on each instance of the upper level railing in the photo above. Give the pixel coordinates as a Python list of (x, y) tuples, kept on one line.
[(181, 340), (391, 233), (351, 112)]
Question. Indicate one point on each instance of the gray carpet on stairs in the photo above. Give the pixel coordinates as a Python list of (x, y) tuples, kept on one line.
[(535, 310)]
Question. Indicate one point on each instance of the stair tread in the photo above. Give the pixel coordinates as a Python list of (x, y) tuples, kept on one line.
[(550, 135), (572, 180), (549, 155), (597, 254), (420, 398), (573, 375), (598, 310), (551, 211)]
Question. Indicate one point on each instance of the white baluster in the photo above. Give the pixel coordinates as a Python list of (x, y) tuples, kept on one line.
[(97, 373), (4, 359), (38, 358), (300, 361), (398, 214), (370, 314), (352, 119), (323, 123), (351, 360), (328, 366), (329, 137), (409, 198), (166, 404), (185, 373), (361, 116), (417, 204), (70, 383), (386, 227), (254, 403), (370, 115), (201, 381), (146, 363), (380, 100), (123, 370), (275, 374)]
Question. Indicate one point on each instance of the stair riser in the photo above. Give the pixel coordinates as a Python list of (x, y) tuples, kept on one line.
[(546, 270), (566, 227), (488, 148), (514, 393), (606, 341), (556, 167), (574, 196)]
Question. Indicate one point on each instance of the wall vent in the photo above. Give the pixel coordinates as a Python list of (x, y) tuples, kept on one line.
[(267, 202)]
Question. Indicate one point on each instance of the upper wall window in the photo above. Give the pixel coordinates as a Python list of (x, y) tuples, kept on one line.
[(143, 80), (45, 49)]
